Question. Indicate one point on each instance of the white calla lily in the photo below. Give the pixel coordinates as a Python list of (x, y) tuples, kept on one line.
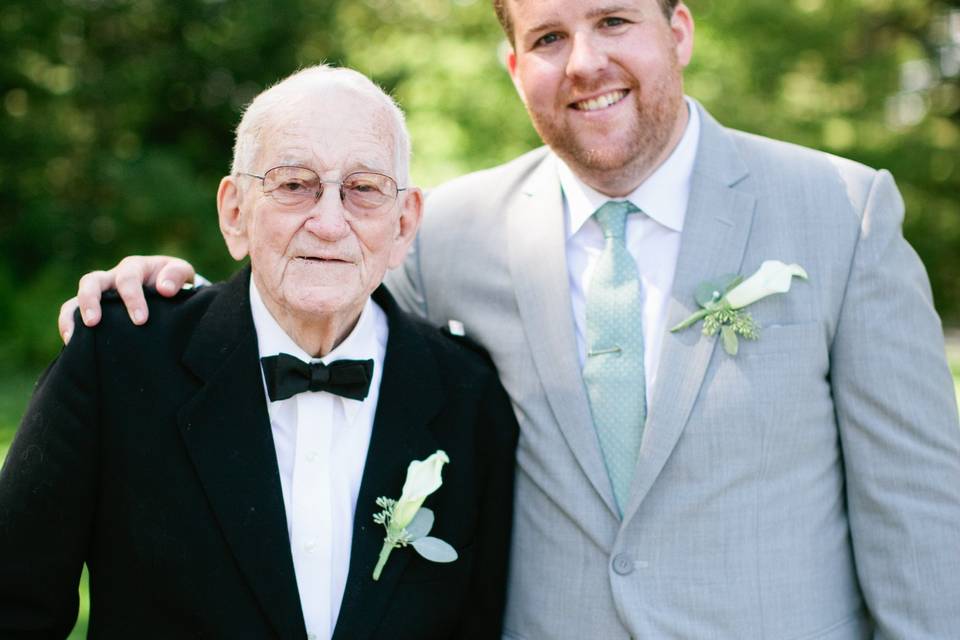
[(772, 277), (423, 478)]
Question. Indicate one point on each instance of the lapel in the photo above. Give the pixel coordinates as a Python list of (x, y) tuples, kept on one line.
[(411, 394), (538, 263), (715, 234), (226, 430)]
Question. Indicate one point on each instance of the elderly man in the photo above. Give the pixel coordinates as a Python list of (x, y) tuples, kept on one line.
[(220, 474), (676, 484)]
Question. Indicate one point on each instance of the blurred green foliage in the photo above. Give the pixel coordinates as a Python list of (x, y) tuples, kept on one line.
[(116, 115)]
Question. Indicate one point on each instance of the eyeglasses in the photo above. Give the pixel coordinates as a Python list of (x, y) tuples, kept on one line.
[(363, 193)]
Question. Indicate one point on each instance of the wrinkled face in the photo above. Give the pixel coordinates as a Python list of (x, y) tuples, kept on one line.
[(602, 79), (321, 260)]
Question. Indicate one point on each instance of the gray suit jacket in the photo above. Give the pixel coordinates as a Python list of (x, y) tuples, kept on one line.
[(808, 487)]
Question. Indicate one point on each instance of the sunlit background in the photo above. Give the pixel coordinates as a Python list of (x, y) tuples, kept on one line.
[(116, 118)]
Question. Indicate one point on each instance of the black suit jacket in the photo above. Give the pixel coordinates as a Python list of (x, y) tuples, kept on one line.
[(147, 453)]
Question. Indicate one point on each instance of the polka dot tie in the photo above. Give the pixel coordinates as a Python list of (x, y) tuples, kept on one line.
[(613, 372)]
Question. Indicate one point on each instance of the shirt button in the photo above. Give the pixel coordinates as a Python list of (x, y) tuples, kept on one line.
[(312, 456), (310, 546), (622, 564), (311, 636)]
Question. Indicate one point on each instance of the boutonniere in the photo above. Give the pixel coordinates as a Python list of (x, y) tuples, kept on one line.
[(408, 522), (723, 299)]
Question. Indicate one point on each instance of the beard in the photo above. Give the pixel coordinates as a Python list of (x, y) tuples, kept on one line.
[(635, 149)]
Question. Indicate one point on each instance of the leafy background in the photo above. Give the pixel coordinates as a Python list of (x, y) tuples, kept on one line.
[(116, 118)]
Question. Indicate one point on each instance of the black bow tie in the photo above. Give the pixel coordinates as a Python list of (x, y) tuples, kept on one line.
[(287, 376)]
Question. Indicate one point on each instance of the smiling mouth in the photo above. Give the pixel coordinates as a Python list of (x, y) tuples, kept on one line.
[(601, 102)]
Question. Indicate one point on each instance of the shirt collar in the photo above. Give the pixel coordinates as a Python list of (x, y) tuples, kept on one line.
[(367, 340), (663, 196)]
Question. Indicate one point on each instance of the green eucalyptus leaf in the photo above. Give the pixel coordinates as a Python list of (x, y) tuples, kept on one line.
[(730, 343), (421, 524), (435, 549), (711, 291)]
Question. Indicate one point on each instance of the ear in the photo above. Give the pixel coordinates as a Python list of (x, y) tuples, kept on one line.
[(233, 223), (681, 23), (411, 212), (512, 70)]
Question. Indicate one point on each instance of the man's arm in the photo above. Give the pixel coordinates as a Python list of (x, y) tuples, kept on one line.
[(899, 432), (128, 277), (169, 274), (48, 489)]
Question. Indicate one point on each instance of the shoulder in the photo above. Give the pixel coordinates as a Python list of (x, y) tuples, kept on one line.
[(488, 186), (171, 324), (803, 173), (459, 359), (184, 308)]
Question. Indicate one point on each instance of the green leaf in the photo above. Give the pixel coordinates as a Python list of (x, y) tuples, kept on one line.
[(435, 549), (730, 342), (421, 524), (712, 291)]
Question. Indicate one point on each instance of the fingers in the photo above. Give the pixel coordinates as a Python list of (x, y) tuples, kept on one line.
[(65, 320), (129, 277), (173, 274), (88, 295)]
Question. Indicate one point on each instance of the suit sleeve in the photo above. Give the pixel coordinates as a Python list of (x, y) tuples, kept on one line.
[(497, 438), (47, 498), (899, 432)]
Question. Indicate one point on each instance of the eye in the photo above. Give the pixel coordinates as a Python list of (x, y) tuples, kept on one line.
[(546, 39), (612, 21), (363, 185), (293, 186)]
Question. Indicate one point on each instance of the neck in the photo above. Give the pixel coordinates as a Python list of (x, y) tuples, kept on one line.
[(621, 182), (316, 331), (318, 337)]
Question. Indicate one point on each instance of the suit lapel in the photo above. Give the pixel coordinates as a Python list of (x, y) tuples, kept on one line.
[(715, 233), (226, 429), (411, 394), (537, 249)]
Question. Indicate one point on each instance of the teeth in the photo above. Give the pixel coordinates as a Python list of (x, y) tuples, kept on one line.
[(601, 102)]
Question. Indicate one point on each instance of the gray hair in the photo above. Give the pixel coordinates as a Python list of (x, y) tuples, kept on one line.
[(257, 115)]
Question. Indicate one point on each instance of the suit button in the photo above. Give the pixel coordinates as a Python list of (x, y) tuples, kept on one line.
[(622, 564)]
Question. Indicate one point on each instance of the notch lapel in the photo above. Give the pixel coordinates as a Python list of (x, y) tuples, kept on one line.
[(226, 430), (411, 394), (538, 263), (715, 234)]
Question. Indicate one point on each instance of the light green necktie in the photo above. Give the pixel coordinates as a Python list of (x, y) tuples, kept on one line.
[(613, 372)]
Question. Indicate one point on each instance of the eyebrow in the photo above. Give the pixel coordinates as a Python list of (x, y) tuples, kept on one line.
[(550, 25)]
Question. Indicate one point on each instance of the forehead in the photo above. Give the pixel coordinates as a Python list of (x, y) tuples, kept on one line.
[(337, 129), (531, 14)]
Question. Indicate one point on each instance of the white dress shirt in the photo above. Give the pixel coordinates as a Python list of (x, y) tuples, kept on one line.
[(321, 441), (653, 239)]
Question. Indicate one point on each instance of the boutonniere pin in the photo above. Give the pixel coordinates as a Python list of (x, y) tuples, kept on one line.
[(723, 299), (408, 522)]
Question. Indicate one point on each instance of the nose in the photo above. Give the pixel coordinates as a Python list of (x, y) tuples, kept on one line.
[(587, 57), (327, 217)]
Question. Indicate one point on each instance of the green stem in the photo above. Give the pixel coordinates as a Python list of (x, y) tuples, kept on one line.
[(689, 322), (384, 554)]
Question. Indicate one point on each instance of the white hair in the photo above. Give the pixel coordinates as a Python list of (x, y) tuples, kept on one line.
[(257, 115)]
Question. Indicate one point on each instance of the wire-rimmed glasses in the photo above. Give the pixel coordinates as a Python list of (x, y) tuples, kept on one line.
[(363, 193)]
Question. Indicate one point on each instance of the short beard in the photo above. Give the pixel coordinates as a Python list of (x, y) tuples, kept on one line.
[(640, 148)]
